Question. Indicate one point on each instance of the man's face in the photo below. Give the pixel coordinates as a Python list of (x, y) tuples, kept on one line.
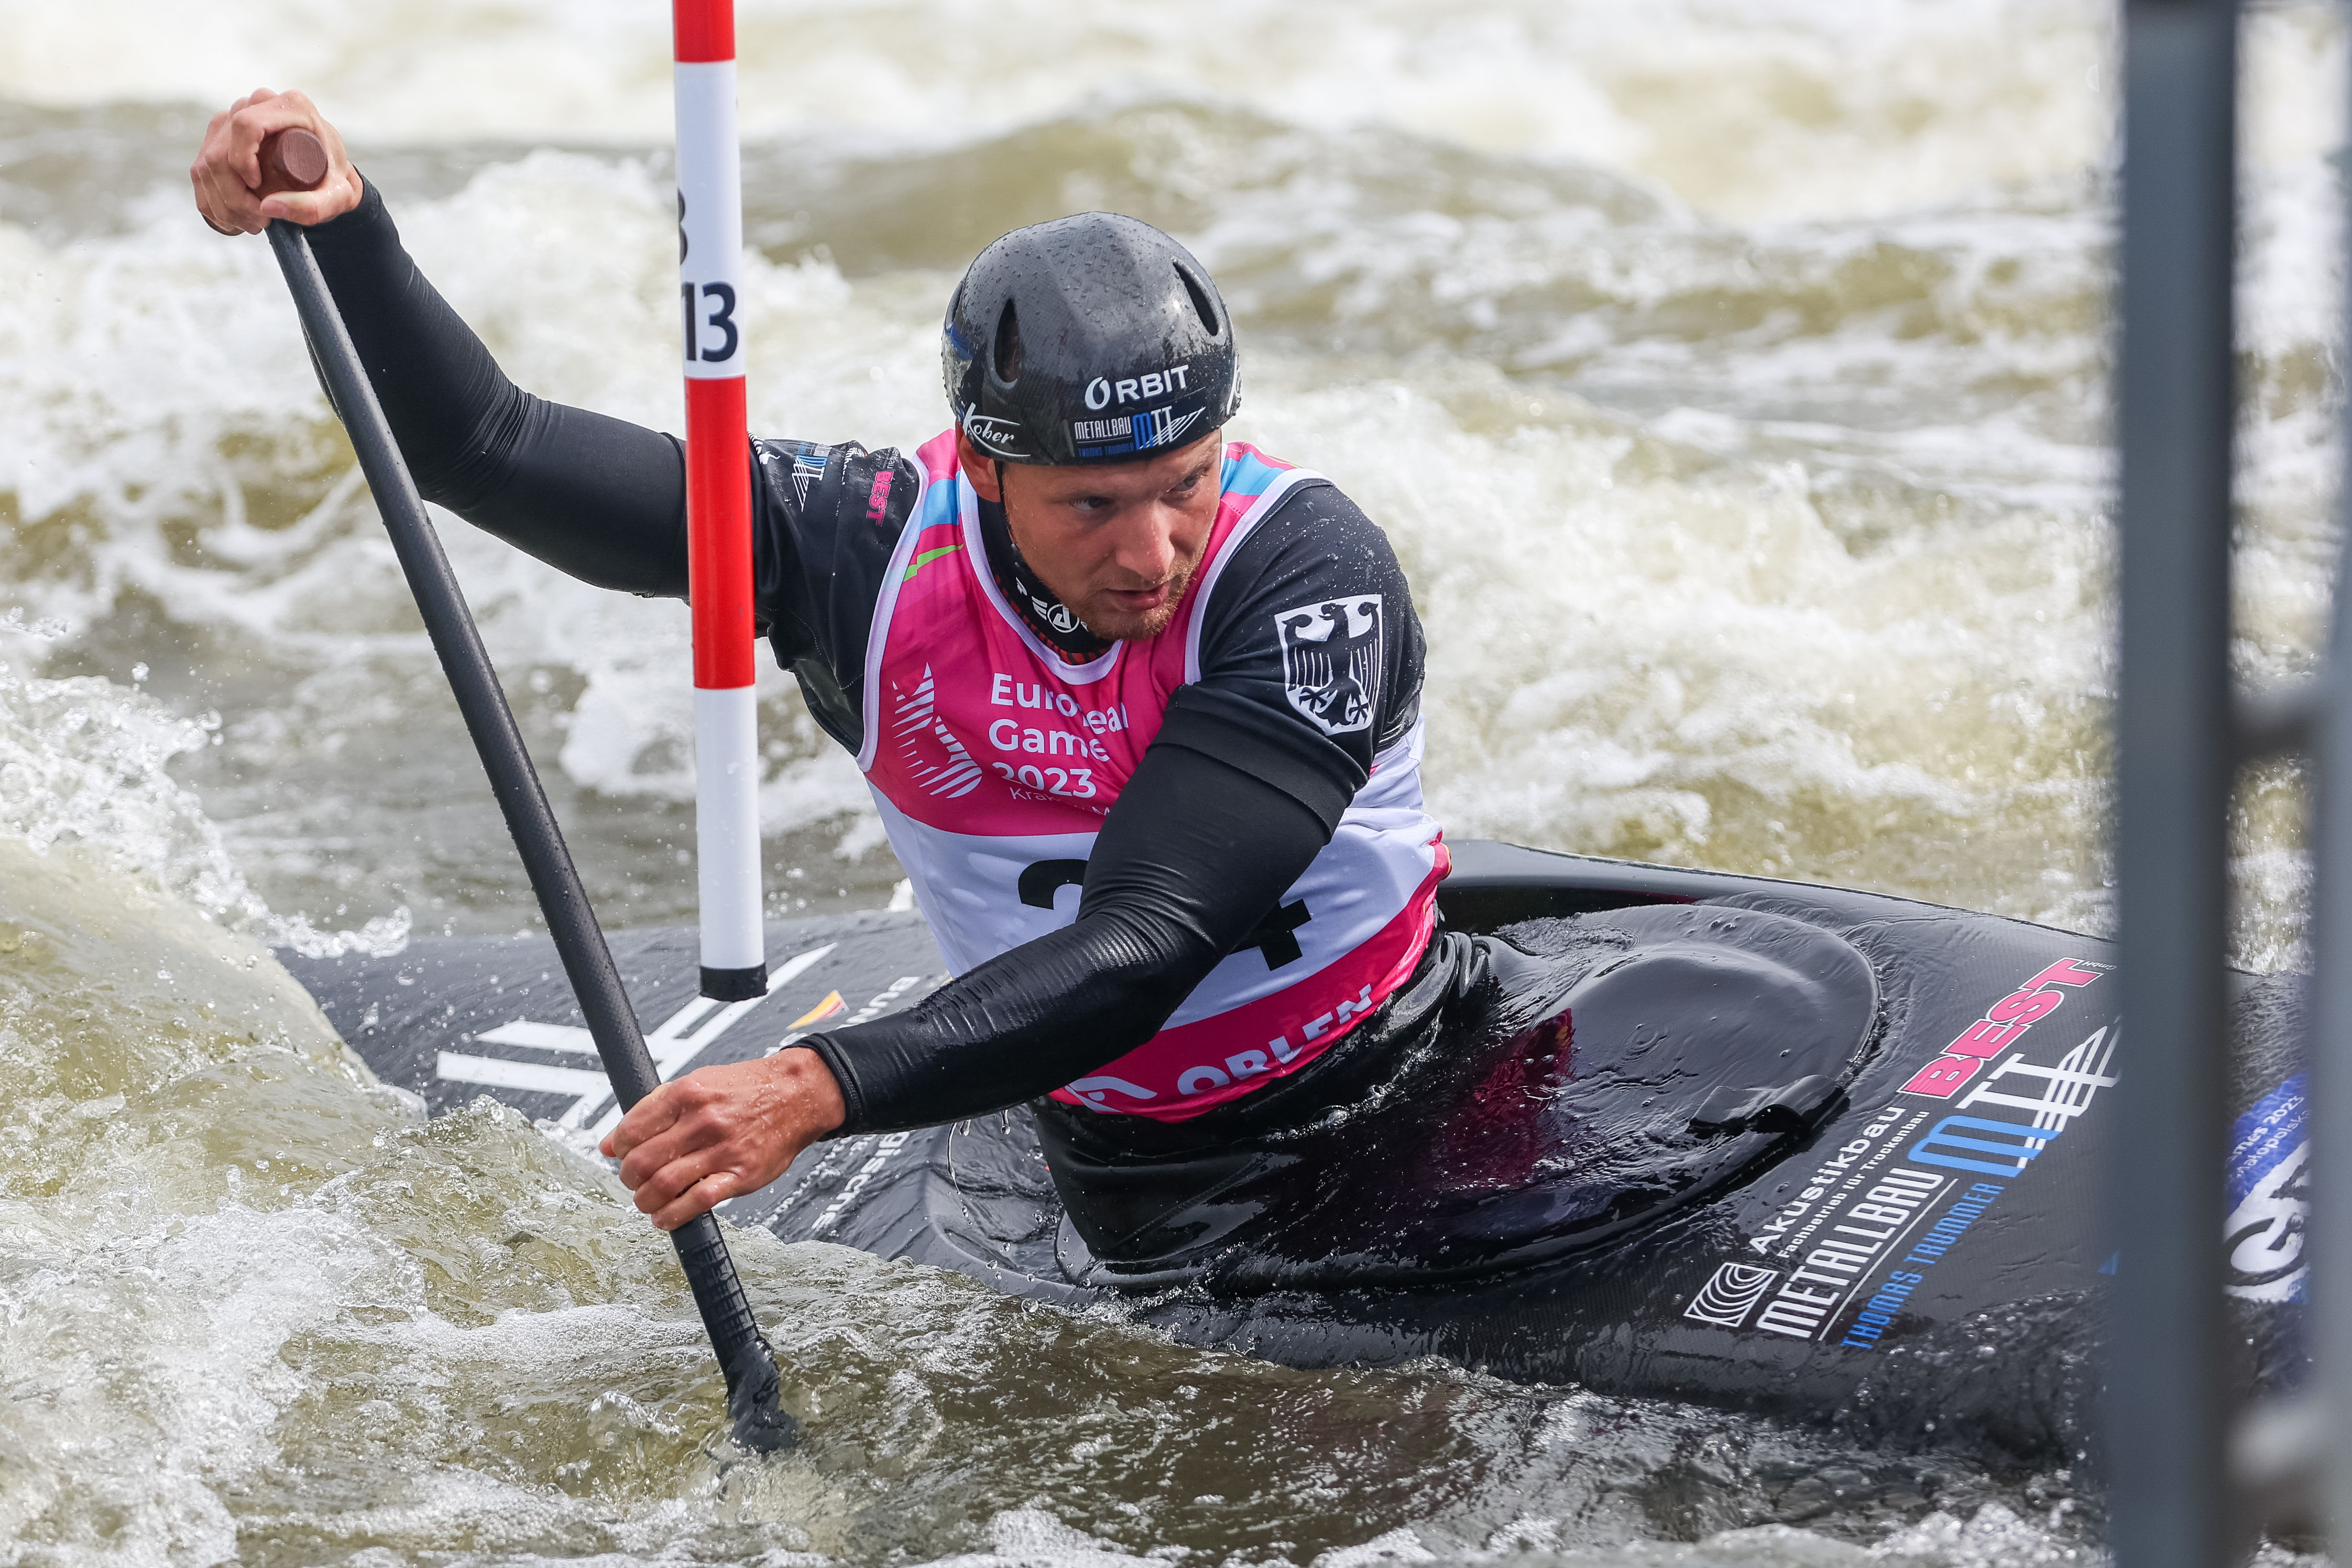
[(1116, 542)]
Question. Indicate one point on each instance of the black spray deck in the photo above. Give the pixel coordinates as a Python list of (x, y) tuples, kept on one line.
[(1814, 1152)]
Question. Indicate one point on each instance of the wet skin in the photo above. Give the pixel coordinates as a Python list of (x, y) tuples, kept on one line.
[(1116, 542), (231, 192)]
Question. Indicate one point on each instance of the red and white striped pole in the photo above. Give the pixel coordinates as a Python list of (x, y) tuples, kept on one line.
[(719, 501)]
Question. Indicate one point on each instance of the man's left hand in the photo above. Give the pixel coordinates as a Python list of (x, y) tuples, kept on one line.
[(720, 1132)]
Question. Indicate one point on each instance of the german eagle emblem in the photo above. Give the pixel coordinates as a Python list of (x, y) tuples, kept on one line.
[(1331, 661)]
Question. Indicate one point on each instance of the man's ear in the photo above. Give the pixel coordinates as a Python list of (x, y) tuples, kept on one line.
[(978, 467)]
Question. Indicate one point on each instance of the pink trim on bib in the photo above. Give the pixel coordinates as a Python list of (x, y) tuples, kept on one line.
[(1192, 1067), (995, 761)]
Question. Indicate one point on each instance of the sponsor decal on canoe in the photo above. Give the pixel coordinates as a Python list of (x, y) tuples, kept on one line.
[(831, 1007), (676, 1043), (2002, 1025), (1861, 1239), (1875, 1314), (1727, 1298), (1857, 1238), (2270, 1200), (1993, 1137), (886, 1146), (1842, 1177)]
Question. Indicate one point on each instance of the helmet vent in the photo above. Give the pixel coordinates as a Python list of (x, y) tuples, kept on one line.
[(1008, 346), (1200, 293)]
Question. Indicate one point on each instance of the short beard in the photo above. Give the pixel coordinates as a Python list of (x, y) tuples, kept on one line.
[(1143, 628)]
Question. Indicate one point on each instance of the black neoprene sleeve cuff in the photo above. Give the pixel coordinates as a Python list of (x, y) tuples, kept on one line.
[(351, 227), (845, 1078)]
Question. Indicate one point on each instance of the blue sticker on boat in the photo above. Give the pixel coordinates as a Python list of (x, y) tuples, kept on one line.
[(2270, 1199)]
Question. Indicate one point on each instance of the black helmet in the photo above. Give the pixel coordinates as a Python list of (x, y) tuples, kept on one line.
[(1087, 340)]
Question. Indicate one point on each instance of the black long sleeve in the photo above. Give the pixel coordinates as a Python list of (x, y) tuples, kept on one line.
[(1190, 859), (604, 500), (597, 497)]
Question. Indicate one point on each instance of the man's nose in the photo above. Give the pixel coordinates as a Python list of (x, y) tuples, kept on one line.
[(1148, 547)]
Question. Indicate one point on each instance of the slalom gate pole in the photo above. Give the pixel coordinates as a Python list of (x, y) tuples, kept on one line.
[(743, 1354), (718, 502)]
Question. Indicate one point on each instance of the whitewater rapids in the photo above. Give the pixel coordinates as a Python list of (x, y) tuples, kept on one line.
[(1731, 375)]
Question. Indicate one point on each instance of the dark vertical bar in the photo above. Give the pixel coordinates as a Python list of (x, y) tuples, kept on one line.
[(2331, 1024), (2176, 395)]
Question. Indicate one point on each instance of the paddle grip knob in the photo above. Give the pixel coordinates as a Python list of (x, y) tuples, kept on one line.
[(293, 160)]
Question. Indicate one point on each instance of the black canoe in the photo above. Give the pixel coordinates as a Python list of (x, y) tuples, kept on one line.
[(1799, 1150)]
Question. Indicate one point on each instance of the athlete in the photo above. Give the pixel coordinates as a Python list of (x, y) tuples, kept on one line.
[(1139, 707)]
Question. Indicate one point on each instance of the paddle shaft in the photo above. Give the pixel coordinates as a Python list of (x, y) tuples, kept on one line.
[(743, 1354)]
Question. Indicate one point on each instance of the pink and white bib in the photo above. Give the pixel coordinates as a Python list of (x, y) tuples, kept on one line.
[(993, 762)]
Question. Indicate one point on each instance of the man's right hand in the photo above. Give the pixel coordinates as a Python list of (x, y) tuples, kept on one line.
[(233, 191)]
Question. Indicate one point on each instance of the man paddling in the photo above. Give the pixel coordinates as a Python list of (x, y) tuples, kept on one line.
[(1140, 708)]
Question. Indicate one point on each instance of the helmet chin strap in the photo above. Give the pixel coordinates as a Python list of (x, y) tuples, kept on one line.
[(1003, 497), (1023, 577), (1020, 561)]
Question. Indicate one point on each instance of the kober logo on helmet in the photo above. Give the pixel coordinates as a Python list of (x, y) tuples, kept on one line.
[(1001, 436), (1102, 392)]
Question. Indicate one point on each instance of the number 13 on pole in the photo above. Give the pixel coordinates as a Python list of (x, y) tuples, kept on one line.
[(718, 501)]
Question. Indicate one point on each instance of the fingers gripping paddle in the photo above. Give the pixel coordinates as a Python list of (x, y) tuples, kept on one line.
[(744, 1355), (293, 160)]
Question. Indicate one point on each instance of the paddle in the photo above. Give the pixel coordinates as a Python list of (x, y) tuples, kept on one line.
[(745, 1358)]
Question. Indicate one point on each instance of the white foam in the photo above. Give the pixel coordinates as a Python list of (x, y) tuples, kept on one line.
[(1729, 373), (1748, 107), (153, 1357), (1835, 607), (84, 761)]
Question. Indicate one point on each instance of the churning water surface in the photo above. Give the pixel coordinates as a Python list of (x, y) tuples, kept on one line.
[(1729, 373)]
